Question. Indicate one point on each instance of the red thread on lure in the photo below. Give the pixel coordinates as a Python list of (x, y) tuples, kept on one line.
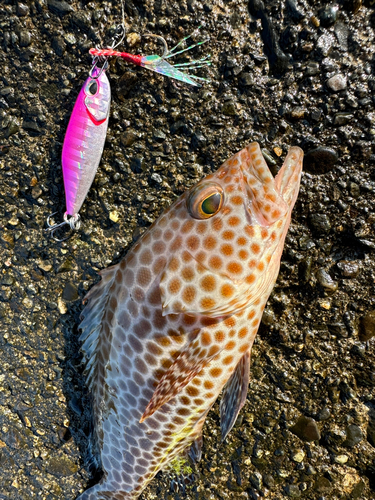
[(110, 52)]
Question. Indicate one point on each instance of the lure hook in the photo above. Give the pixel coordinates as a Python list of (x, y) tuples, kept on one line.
[(74, 222), (160, 64), (163, 41), (95, 65)]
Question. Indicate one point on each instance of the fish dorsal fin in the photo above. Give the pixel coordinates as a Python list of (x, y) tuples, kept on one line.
[(96, 336), (189, 363), (234, 395), (189, 287)]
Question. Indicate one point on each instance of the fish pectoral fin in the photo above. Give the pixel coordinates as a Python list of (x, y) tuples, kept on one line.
[(195, 451), (189, 363), (234, 395)]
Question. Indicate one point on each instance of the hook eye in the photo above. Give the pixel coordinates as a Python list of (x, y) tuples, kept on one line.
[(74, 222)]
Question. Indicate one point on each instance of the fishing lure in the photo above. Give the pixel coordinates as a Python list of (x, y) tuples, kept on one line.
[(83, 145), (159, 64), (85, 136)]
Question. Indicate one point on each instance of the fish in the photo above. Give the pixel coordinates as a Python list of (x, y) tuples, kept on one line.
[(83, 144), (171, 326)]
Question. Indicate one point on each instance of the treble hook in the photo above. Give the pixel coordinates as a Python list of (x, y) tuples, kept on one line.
[(74, 222)]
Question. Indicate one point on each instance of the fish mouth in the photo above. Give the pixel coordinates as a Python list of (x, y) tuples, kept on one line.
[(288, 178), (270, 198)]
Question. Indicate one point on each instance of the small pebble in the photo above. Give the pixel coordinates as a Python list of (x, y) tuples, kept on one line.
[(229, 108), (310, 470), (315, 114), (59, 7), (312, 68), (348, 268), (353, 436), (61, 306), (341, 459), (320, 160), (128, 138), (114, 216), (36, 192), (367, 326), (133, 39), (342, 119), (320, 222), (28, 303), (297, 113), (298, 456), (157, 178), (337, 83), (292, 491), (70, 292), (22, 9), (324, 414), (159, 135), (325, 280), (45, 266), (256, 480), (306, 428), (325, 304), (25, 38), (268, 481), (322, 485), (328, 15), (354, 189), (324, 43), (342, 34), (61, 466), (58, 45)]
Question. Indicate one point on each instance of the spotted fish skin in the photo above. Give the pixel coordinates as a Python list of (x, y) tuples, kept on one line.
[(173, 323)]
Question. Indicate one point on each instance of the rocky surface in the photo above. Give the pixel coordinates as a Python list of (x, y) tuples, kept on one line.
[(299, 72)]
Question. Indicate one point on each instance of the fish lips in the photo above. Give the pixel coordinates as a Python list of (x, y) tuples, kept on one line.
[(269, 198)]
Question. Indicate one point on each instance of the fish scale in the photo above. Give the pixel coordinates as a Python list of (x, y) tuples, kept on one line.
[(173, 323)]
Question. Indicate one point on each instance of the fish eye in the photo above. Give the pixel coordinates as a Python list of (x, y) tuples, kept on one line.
[(92, 87), (205, 200)]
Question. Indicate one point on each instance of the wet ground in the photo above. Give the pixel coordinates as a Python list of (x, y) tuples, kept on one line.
[(295, 72)]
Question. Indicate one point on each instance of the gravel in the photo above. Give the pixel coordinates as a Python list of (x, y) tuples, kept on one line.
[(294, 73)]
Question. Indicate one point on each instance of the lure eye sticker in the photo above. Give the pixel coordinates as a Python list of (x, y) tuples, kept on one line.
[(96, 100), (91, 88)]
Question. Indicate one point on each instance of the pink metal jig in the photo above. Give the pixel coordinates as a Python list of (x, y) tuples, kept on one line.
[(83, 144)]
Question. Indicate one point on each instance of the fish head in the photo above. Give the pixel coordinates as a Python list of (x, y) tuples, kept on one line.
[(97, 95), (229, 233)]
